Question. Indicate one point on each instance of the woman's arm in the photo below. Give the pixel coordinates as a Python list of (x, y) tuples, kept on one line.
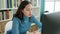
[(39, 24), (15, 26)]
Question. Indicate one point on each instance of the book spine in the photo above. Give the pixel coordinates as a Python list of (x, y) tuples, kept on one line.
[(0, 15), (12, 3), (18, 2), (7, 3), (11, 14), (15, 3), (2, 3), (7, 14), (4, 15)]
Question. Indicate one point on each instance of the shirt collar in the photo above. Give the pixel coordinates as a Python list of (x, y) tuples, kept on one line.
[(26, 18)]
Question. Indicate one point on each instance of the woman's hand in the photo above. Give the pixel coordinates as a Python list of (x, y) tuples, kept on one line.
[(29, 32)]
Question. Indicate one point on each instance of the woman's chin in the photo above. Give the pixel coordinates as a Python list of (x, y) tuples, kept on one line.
[(29, 16)]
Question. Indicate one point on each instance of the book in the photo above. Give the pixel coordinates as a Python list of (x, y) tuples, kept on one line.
[(19, 3), (11, 14), (0, 15), (15, 3), (12, 3), (8, 14), (2, 3), (4, 15), (5, 3), (34, 2), (9, 3)]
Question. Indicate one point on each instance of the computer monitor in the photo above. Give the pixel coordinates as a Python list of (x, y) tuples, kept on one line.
[(51, 23)]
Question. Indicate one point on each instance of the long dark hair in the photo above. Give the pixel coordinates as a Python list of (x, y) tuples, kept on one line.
[(19, 12)]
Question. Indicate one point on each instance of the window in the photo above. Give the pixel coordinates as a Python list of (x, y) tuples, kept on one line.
[(52, 5)]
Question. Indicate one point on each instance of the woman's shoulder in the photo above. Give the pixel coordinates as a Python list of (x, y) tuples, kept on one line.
[(33, 16), (15, 18)]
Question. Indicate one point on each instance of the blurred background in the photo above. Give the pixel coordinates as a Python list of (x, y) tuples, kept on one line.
[(9, 7)]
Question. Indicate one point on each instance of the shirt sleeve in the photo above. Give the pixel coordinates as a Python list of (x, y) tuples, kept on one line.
[(15, 26), (39, 24)]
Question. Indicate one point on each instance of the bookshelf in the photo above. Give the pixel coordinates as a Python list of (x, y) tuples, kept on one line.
[(17, 8), (9, 7)]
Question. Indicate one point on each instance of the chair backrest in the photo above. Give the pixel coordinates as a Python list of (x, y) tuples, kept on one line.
[(8, 26)]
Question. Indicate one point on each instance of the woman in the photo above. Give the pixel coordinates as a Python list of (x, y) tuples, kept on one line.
[(23, 19)]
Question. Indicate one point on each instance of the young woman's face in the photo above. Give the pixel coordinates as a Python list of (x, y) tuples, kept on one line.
[(27, 11)]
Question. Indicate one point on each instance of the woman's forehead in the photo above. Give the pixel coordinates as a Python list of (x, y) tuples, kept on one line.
[(28, 6)]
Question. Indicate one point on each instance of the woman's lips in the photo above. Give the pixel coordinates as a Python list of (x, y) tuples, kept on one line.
[(30, 14)]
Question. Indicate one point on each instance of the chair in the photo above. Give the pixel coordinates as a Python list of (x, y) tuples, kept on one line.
[(8, 27)]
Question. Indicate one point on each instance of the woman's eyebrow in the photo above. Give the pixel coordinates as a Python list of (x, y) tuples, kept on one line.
[(27, 8)]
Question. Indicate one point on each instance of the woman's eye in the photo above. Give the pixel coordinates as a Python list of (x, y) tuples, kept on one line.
[(28, 10)]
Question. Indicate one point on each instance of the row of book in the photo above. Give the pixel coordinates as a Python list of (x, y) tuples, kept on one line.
[(15, 3), (5, 14), (9, 3)]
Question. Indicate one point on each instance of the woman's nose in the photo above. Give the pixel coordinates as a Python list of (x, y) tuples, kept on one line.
[(30, 12)]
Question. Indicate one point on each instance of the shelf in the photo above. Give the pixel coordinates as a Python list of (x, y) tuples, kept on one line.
[(10, 19), (17, 8), (4, 9), (6, 20), (7, 8)]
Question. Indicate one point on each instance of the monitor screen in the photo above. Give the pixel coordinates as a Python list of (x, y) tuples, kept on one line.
[(51, 23)]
